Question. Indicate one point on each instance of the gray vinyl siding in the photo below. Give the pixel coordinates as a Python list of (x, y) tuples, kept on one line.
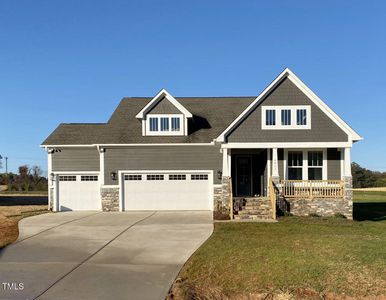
[(333, 164), (162, 158), (164, 106), (76, 160), (323, 129)]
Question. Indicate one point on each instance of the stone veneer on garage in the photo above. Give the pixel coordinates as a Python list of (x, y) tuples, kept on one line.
[(221, 195), (110, 198)]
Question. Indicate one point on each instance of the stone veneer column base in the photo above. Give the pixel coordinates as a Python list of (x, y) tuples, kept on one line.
[(221, 196), (110, 198)]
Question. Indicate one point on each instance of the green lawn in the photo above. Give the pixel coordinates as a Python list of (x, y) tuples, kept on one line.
[(299, 257), (369, 205), (369, 196)]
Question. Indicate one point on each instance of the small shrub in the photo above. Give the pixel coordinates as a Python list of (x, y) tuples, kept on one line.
[(315, 215), (218, 215), (339, 215)]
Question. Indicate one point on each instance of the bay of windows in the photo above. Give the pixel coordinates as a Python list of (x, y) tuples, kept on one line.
[(164, 125), (286, 117), (305, 165)]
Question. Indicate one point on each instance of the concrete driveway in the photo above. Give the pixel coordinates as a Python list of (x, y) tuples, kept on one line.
[(96, 255)]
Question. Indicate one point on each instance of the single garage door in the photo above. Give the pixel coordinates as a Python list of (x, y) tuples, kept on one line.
[(167, 191), (78, 192)]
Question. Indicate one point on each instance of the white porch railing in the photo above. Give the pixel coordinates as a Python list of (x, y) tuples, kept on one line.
[(310, 189)]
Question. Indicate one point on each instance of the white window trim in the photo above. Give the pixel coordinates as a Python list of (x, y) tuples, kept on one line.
[(165, 133), (305, 163), (278, 109), (287, 73)]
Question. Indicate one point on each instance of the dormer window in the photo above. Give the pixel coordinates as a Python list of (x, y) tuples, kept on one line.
[(164, 124), (164, 115), (286, 117), (176, 124)]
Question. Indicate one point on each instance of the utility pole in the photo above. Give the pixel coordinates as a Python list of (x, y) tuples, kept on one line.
[(6, 165)]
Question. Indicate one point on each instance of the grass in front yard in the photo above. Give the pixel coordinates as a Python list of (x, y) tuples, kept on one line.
[(301, 257), (12, 210), (369, 196), (369, 205)]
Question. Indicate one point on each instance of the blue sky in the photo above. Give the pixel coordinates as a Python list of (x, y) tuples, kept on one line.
[(72, 61)]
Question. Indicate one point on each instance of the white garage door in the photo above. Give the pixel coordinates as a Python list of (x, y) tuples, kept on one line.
[(78, 192), (167, 191)]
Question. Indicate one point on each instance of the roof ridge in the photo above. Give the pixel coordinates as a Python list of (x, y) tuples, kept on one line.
[(100, 123), (193, 97)]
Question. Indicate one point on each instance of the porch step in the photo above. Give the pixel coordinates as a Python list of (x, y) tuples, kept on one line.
[(255, 208), (252, 217)]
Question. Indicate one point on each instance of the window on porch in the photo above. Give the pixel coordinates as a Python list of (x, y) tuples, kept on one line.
[(306, 165), (295, 165), (315, 165)]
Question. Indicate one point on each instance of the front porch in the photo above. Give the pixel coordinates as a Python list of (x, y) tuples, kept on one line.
[(266, 183)]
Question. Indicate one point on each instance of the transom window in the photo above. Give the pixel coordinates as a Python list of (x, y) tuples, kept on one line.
[(177, 177), (133, 177), (199, 177), (155, 177), (67, 178), (164, 125), (89, 178), (286, 117)]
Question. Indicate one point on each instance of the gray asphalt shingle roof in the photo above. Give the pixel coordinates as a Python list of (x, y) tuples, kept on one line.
[(212, 115)]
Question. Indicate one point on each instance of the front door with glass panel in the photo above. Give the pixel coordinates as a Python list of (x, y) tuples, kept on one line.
[(243, 176)]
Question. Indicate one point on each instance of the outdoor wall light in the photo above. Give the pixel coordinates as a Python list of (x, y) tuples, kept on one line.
[(113, 175), (219, 174), (52, 176)]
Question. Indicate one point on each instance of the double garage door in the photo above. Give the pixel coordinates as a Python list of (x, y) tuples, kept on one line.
[(140, 191), (167, 191), (79, 192)]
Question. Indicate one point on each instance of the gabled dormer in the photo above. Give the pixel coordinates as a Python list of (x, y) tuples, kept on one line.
[(164, 116)]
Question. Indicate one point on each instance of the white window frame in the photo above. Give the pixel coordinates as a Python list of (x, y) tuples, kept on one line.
[(305, 162), (169, 132), (278, 109)]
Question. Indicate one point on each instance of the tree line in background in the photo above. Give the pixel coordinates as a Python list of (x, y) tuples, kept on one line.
[(32, 179), (28, 179), (363, 178)]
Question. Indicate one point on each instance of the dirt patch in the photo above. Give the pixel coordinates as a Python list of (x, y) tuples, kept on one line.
[(10, 217)]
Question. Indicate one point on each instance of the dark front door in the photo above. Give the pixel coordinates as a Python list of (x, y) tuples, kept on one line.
[(243, 176)]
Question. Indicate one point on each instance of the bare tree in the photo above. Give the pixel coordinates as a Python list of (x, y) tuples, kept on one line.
[(37, 173)]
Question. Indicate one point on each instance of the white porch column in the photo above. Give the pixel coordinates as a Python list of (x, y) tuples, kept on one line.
[(225, 162), (230, 162), (275, 164), (102, 166), (50, 181), (347, 162), (55, 193)]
